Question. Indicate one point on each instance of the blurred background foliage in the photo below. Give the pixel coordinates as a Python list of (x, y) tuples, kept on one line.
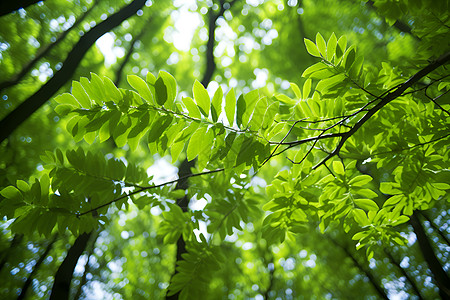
[(258, 44)]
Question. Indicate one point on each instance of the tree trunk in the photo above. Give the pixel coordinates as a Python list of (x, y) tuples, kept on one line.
[(27, 283), (439, 275), (35, 101), (17, 239), (63, 277)]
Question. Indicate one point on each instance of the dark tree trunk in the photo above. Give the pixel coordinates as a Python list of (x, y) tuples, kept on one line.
[(8, 6), (439, 275), (35, 101), (17, 239), (185, 167), (27, 283), (63, 277)]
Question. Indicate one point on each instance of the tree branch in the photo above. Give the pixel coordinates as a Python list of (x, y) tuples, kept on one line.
[(35, 101), (146, 188), (385, 100)]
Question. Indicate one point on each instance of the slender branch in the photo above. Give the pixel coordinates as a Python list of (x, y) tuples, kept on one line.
[(35, 101), (44, 51), (412, 147), (146, 188), (130, 51), (385, 100)]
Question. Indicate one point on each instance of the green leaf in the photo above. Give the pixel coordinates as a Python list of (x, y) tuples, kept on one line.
[(158, 127), (201, 97), (360, 180), (216, 104), (331, 46), (150, 78), (161, 91), (326, 84), (338, 167), (349, 58), (23, 186), (195, 143), (366, 204), (230, 106), (11, 192), (320, 42), (192, 107), (311, 48), (306, 88), (360, 217), (67, 98), (80, 94), (141, 87), (171, 87), (296, 90), (313, 69)]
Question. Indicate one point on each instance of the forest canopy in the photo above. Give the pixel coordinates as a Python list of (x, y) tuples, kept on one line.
[(224, 149)]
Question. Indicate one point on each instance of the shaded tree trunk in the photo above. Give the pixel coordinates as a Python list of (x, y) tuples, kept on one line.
[(17, 239), (375, 283), (63, 277), (29, 280), (435, 228), (439, 275), (35, 101), (410, 279), (8, 6), (185, 167), (83, 279)]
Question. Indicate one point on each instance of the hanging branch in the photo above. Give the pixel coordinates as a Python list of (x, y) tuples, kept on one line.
[(44, 51), (438, 273), (182, 179), (41, 259), (8, 6), (35, 101)]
